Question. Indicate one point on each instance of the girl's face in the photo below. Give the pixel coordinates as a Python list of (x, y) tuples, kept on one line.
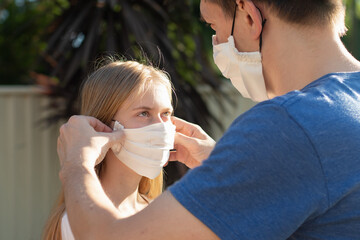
[(152, 106)]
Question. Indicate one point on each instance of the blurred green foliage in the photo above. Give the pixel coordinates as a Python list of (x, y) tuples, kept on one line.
[(352, 21), (22, 25)]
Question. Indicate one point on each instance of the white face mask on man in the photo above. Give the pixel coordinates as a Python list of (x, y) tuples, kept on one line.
[(244, 69), (145, 150)]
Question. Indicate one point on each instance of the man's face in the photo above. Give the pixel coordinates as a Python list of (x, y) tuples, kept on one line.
[(216, 18)]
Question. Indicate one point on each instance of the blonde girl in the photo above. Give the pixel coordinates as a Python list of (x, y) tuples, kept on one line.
[(136, 95)]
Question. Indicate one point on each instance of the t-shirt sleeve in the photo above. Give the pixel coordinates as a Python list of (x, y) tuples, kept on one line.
[(262, 181)]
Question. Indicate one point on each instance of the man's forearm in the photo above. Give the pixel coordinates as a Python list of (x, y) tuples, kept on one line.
[(93, 216), (87, 205)]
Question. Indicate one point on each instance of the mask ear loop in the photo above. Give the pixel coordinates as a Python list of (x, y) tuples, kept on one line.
[(233, 24), (263, 21)]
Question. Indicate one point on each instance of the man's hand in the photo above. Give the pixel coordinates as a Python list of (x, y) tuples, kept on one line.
[(192, 144), (84, 141)]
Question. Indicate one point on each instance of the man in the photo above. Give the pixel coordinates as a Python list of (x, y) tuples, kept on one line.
[(289, 168)]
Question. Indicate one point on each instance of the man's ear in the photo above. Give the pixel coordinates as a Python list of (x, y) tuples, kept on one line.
[(252, 17)]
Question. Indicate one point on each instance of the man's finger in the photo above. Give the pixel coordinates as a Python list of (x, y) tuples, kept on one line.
[(189, 129), (172, 157), (183, 126), (182, 139), (98, 125), (114, 137)]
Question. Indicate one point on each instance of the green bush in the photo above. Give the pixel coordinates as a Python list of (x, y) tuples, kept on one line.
[(22, 26)]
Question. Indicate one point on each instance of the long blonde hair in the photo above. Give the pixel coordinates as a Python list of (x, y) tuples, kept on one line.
[(102, 94)]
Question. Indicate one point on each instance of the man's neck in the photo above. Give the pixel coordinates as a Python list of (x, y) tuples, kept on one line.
[(293, 57)]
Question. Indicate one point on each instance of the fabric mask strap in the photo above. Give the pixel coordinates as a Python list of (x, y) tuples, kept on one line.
[(262, 28), (233, 25), (262, 25)]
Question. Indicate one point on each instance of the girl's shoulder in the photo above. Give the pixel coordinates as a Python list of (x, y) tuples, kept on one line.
[(66, 233)]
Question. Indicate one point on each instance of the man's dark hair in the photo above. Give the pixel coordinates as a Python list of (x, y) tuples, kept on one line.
[(303, 12)]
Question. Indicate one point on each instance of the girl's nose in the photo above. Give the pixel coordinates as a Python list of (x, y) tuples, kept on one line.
[(157, 119)]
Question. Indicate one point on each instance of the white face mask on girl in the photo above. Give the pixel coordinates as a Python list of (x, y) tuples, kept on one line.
[(145, 150), (244, 69)]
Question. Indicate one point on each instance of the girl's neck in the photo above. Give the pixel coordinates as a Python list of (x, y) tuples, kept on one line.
[(121, 184)]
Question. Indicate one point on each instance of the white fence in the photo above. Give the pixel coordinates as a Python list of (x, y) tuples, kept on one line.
[(28, 160), (28, 163)]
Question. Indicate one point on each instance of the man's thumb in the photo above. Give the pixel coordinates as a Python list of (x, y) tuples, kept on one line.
[(115, 136), (186, 141)]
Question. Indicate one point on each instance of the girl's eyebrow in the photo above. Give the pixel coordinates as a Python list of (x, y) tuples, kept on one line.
[(149, 108), (142, 107)]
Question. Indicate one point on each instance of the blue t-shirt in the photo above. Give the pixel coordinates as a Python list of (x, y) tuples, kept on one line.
[(289, 168)]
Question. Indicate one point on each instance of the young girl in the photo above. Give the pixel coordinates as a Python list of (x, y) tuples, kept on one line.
[(137, 99)]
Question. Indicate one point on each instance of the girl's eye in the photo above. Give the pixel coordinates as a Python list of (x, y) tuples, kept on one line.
[(167, 114), (143, 114)]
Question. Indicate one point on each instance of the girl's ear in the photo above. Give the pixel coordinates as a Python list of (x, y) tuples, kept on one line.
[(252, 17)]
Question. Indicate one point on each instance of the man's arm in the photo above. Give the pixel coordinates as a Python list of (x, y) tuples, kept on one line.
[(93, 216), (91, 213)]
